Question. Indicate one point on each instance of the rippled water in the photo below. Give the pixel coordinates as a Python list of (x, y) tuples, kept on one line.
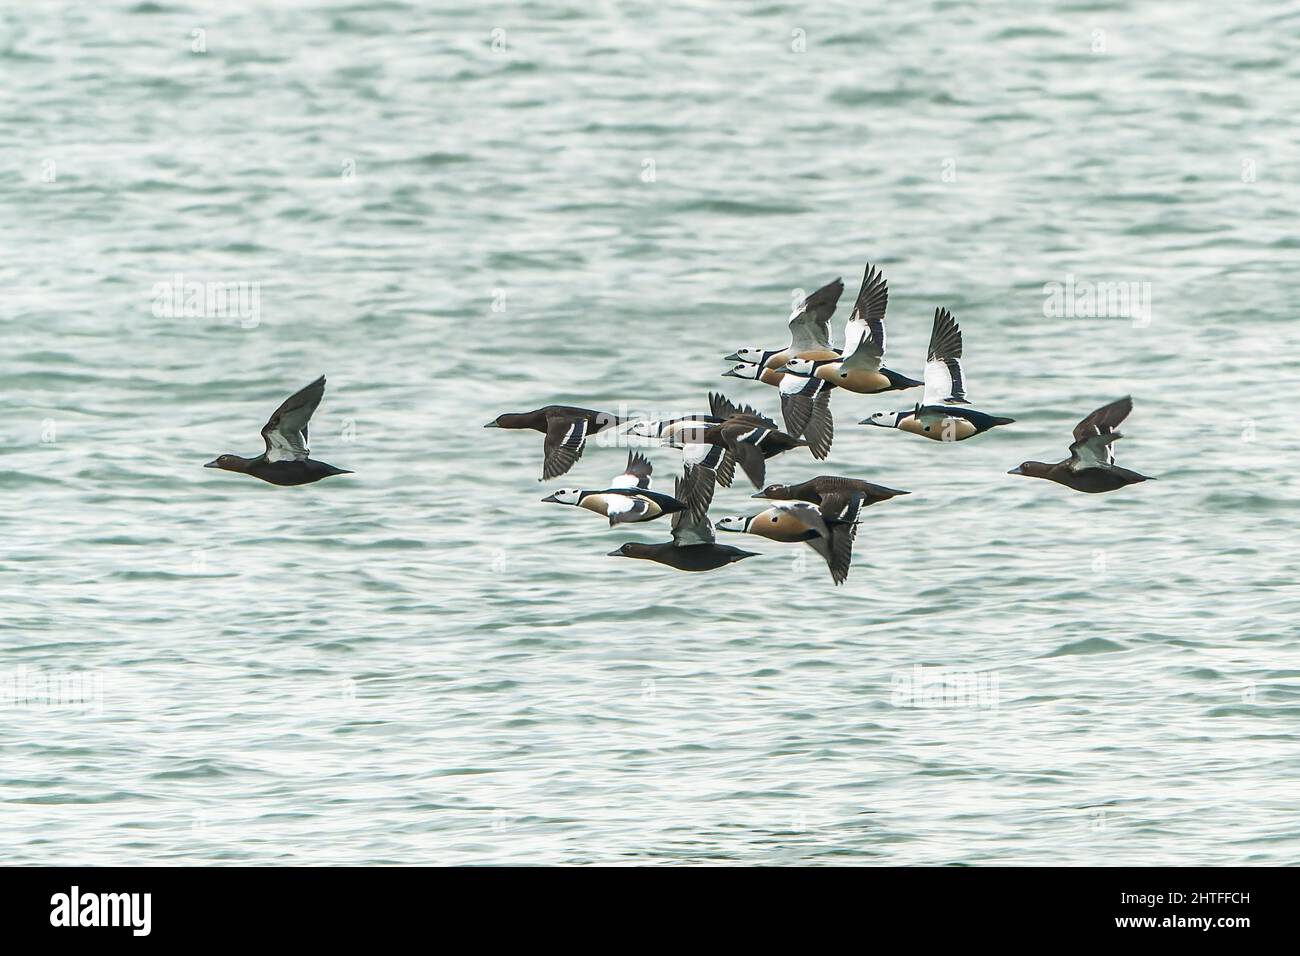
[(453, 212)]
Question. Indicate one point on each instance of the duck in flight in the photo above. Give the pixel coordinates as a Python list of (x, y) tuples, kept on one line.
[(628, 498), (941, 415), (286, 460), (859, 365), (1091, 466), (807, 382), (827, 531), (727, 435), (694, 546), (810, 331), (830, 490), (566, 429)]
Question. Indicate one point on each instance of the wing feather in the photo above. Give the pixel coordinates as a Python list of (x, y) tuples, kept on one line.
[(810, 322), (285, 432)]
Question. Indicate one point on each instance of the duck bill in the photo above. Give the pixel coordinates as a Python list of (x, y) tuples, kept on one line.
[(614, 554), (758, 494), (867, 421), (491, 425), (733, 357), (551, 498), (1015, 471), (212, 464), (730, 372)]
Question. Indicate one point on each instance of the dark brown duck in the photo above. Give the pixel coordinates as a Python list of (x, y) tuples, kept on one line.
[(566, 429), (286, 460)]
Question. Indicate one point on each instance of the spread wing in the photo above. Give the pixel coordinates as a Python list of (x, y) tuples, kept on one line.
[(742, 441), (868, 318), (714, 458), (637, 473), (1094, 437), (723, 408), (285, 433), (565, 438), (796, 402), (821, 426), (944, 381), (867, 356), (692, 526), (810, 322), (720, 406)]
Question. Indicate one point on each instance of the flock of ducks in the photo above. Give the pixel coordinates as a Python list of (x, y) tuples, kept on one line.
[(822, 512)]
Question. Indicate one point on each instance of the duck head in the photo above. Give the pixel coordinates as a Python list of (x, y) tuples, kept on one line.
[(803, 368), (1031, 469), (744, 370), (509, 420), (565, 496), (774, 492), (733, 523), (885, 419), (231, 463), (630, 550), (750, 356), (645, 429)]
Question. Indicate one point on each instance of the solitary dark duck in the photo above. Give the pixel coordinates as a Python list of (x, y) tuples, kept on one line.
[(566, 429), (694, 546), (285, 461), (941, 414), (627, 499), (1091, 466)]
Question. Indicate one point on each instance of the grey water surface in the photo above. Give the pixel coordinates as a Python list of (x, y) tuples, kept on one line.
[(454, 210)]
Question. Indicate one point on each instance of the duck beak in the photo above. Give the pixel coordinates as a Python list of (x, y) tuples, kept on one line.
[(614, 554), (551, 498), (867, 421), (730, 371), (212, 464), (491, 425), (733, 357), (1015, 471), (758, 495)]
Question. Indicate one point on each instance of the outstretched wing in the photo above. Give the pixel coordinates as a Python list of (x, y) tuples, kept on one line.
[(692, 526), (714, 458), (637, 473), (944, 381), (743, 441), (820, 431), (720, 406), (285, 433), (867, 356), (1094, 437), (796, 402), (565, 438), (868, 318), (810, 322)]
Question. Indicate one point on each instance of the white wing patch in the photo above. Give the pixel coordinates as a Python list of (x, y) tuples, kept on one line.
[(287, 445), (944, 382)]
